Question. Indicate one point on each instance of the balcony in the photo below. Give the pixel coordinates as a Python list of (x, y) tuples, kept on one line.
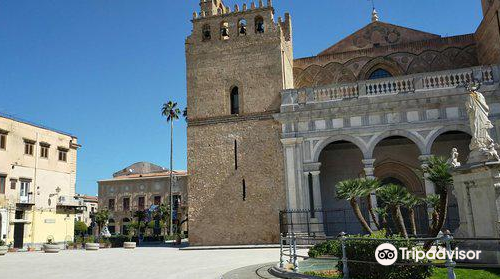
[(25, 202), (71, 203), (411, 84)]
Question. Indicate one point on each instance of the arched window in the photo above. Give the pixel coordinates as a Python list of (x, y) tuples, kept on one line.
[(379, 73), (224, 30), (235, 101), (206, 34), (259, 25), (242, 27)]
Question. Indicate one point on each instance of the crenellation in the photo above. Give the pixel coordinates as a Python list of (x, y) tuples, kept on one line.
[(252, 6)]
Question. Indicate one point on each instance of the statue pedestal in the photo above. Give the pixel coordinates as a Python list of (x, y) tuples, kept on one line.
[(477, 189)]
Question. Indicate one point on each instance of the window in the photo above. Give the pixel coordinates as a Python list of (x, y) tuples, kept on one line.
[(206, 34), (157, 200), (235, 101), (28, 147), (177, 201), (24, 191), (3, 140), (379, 73), (259, 25), (3, 181), (126, 204), (111, 204), (13, 183), (224, 30), (141, 203), (44, 150), (244, 190), (235, 154), (63, 154), (242, 27)]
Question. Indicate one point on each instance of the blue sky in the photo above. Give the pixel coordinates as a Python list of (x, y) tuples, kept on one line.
[(101, 69)]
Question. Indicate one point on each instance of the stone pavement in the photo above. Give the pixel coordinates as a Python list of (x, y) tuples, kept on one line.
[(147, 262)]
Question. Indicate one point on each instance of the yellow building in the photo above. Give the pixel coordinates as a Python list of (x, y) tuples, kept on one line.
[(37, 184)]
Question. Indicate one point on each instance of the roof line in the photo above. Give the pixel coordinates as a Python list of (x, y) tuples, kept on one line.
[(27, 122)]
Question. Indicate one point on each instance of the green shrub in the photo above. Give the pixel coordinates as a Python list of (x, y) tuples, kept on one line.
[(80, 228), (364, 250), (2, 243), (88, 239)]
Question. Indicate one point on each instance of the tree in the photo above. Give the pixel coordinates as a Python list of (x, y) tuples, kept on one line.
[(171, 112), (382, 213), (80, 228), (439, 173), (162, 213), (368, 186), (101, 218), (433, 202), (351, 190), (410, 202), (141, 219), (394, 196)]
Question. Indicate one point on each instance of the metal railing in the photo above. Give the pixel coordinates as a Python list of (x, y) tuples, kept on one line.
[(289, 255)]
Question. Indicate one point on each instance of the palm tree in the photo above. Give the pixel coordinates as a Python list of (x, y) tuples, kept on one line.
[(382, 213), (439, 173), (351, 190), (410, 202), (433, 202), (141, 217), (368, 186), (162, 213), (171, 112), (394, 195)]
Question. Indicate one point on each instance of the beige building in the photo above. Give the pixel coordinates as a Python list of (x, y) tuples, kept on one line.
[(37, 183), (269, 132), (138, 187), (91, 207)]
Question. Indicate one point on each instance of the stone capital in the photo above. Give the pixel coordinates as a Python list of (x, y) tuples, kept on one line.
[(291, 141), (311, 167), (368, 162), (424, 158)]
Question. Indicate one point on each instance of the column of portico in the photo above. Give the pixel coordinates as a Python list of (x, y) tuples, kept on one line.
[(370, 173), (317, 218), (430, 188), (293, 165)]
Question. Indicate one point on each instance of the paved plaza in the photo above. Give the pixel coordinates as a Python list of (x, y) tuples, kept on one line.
[(154, 262)]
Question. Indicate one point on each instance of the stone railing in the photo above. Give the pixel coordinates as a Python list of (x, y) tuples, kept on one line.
[(391, 86)]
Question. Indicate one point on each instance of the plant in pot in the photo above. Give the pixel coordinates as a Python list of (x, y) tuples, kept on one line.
[(3, 248), (129, 244), (89, 244), (50, 246)]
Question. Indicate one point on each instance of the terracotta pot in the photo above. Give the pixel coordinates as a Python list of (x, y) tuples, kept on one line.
[(3, 250), (129, 245), (91, 246), (51, 248)]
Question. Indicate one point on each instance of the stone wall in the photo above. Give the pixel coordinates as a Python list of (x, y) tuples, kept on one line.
[(219, 214), (488, 36), (230, 205)]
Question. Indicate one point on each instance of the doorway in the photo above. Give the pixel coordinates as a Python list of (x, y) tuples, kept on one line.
[(19, 231)]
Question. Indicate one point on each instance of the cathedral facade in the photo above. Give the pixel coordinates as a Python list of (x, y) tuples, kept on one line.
[(268, 132)]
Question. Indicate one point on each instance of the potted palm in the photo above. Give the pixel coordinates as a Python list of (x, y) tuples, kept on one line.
[(3, 248), (90, 245), (50, 246), (129, 244)]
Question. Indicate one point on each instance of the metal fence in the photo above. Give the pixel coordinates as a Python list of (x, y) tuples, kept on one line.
[(290, 245), (330, 222)]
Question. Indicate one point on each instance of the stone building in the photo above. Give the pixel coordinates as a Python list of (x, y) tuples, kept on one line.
[(268, 132), (90, 207), (37, 183), (138, 187)]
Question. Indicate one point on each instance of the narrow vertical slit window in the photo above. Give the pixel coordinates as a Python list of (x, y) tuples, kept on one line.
[(235, 154), (244, 190), (311, 194)]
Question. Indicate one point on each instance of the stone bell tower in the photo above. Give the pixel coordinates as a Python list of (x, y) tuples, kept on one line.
[(238, 61)]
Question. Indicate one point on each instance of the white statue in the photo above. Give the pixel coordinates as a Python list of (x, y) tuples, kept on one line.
[(480, 124), (454, 158), (105, 231)]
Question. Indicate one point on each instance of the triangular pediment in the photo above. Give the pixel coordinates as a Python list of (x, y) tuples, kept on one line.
[(378, 34)]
